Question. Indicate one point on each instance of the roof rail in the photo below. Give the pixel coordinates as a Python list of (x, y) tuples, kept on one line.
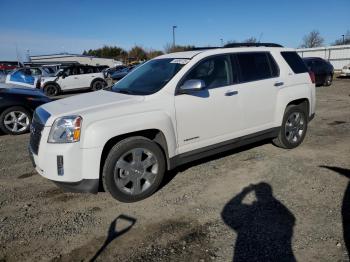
[(204, 48), (251, 45)]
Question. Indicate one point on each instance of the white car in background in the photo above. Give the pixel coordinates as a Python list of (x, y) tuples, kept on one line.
[(72, 78), (345, 71)]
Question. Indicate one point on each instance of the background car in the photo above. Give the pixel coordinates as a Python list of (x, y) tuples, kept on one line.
[(345, 71), (72, 78), (17, 105), (108, 72), (24, 77), (322, 69), (3, 75), (116, 76)]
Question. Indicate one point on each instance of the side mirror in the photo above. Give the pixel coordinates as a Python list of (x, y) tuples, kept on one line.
[(63, 75), (192, 85)]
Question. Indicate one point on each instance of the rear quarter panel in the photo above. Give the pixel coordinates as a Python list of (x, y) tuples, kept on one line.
[(296, 86)]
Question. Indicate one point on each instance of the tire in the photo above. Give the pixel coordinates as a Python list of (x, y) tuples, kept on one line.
[(125, 177), (98, 85), (292, 133), (15, 120), (328, 81), (51, 90)]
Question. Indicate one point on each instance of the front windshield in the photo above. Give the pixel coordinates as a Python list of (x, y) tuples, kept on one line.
[(150, 77)]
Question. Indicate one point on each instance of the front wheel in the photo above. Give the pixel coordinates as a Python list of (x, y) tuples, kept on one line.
[(51, 90), (98, 85), (294, 127), (134, 169), (328, 81), (15, 121)]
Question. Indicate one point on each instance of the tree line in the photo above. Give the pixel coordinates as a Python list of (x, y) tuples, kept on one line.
[(138, 53)]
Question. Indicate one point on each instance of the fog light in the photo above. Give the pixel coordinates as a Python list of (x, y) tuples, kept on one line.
[(60, 170)]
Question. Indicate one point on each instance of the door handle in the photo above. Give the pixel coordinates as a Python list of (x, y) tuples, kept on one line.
[(279, 84), (75, 77), (231, 93)]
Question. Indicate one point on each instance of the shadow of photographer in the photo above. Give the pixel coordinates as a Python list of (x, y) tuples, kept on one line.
[(264, 228), (345, 210)]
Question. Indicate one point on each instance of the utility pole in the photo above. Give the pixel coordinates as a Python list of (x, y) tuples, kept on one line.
[(174, 26), (222, 41), (343, 39)]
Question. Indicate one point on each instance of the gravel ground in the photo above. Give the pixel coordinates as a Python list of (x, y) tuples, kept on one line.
[(256, 203)]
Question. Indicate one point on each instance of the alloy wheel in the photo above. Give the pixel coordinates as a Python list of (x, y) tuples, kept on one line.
[(16, 121), (294, 127), (135, 171)]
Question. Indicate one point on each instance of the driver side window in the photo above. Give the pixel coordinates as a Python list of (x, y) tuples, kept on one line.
[(213, 71)]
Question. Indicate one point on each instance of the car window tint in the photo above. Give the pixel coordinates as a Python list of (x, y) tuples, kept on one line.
[(275, 71), (295, 62), (35, 71), (75, 71), (213, 71), (254, 66), (68, 71), (234, 69)]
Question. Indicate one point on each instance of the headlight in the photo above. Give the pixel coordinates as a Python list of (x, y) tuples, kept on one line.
[(65, 130)]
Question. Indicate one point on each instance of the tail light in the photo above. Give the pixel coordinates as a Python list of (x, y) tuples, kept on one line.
[(312, 76)]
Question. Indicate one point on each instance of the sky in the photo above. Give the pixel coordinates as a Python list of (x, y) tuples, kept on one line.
[(46, 27)]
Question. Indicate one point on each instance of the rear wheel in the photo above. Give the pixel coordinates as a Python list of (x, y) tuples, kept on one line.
[(294, 127), (328, 81), (15, 121), (51, 90), (134, 169)]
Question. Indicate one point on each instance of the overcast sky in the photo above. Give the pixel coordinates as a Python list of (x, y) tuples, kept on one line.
[(45, 27)]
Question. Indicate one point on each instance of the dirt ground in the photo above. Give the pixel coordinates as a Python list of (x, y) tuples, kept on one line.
[(256, 203)]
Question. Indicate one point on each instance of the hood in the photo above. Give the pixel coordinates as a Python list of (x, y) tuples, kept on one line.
[(90, 102)]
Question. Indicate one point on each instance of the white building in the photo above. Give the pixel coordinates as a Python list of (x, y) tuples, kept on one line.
[(338, 56), (72, 58)]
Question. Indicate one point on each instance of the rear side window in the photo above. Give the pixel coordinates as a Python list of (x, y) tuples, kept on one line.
[(295, 62), (254, 66), (275, 71)]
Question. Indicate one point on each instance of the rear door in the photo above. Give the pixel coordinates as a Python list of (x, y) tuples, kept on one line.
[(257, 91)]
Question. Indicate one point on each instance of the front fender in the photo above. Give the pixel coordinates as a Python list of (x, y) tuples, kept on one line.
[(97, 133)]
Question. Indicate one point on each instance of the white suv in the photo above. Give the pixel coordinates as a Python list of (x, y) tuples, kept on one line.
[(173, 109), (73, 77)]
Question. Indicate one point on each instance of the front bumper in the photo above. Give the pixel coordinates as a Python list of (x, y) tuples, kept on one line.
[(83, 186), (71, 167)]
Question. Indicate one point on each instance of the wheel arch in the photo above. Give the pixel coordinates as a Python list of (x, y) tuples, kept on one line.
[(97, 79), (52, 83), (155, 135)]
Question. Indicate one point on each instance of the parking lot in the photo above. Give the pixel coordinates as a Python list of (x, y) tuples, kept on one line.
[(215, 209)]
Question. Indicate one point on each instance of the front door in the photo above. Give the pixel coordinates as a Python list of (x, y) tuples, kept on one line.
[(208, 116)]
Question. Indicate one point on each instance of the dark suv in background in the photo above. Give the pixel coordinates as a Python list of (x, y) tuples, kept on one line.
[(322, 69)]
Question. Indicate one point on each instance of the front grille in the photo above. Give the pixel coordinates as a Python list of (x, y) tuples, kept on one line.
[(35, 135)]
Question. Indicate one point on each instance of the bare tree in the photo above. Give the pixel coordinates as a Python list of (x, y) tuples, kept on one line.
[(152, 53), (250, 40), (313, 39), (343, 40), (168, 48)]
